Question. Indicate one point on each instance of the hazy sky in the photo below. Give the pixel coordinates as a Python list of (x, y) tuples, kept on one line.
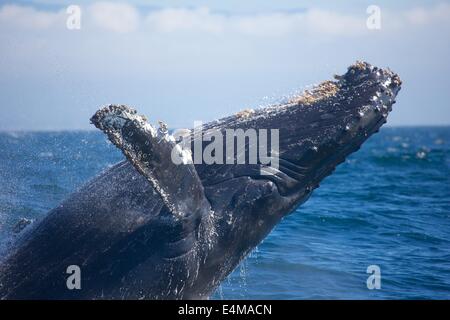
[(181, 61)]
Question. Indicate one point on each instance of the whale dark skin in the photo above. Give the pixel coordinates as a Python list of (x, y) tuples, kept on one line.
[(147, 228)]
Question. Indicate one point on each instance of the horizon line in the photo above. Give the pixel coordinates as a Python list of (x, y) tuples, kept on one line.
[(398, 126)]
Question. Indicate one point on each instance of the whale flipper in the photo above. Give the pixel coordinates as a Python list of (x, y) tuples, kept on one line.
[(151, 151)]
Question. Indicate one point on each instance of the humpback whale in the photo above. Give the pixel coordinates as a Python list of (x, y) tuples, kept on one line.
[(150, 228)]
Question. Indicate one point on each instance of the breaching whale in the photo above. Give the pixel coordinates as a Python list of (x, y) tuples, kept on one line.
[(149, 228)]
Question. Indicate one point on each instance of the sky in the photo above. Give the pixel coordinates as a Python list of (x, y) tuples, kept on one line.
[(183, 61)]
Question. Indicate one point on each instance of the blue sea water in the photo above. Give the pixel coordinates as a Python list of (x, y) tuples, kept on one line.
[(387, 205)]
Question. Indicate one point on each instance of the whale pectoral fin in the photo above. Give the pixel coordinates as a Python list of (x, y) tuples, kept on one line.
[(150, 151)]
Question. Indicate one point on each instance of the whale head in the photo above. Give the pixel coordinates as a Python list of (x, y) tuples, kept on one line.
[(313, 133)]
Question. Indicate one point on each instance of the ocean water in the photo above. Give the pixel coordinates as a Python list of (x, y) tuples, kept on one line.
[(387, 205)]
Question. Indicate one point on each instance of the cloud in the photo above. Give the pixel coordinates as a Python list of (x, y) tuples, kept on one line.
[(331, 23), (269, 24), (266, 24), (14, 16), (125, 18), (116, 17), (437, 14), (186, 20), (109, 16)]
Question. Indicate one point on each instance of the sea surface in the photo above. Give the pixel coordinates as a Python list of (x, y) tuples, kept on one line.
[(388, 205)]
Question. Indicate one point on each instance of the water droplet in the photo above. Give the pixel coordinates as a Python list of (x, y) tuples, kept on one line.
[(421, 154)]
